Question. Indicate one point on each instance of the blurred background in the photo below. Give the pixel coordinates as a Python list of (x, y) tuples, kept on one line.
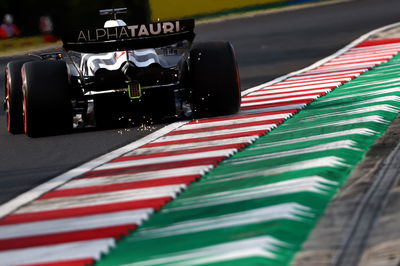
[(28, 25), (32, 17)]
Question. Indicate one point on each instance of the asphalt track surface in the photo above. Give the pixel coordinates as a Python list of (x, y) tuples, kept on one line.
[(267, 46)]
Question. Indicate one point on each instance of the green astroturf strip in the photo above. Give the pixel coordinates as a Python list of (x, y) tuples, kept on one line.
[(260, 205)]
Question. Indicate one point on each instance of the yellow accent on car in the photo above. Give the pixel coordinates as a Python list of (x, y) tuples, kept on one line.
[(135, 90)]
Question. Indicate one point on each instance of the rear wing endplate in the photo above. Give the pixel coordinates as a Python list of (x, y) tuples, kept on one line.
[(132, 37)]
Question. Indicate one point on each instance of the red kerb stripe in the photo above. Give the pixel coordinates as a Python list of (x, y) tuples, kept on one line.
[(286, 97), (378, 42), (180, 152), (155, 203), (43, 240), (239, 125), (120, 186), (154, 167), (226, 136), (297, 90), (78, 262), (281, 104)]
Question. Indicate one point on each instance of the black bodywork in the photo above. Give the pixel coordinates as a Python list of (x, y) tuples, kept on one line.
[(156, 89)]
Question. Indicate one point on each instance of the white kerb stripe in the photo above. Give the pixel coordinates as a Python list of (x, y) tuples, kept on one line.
[(56, 253), (195, 136), (127, 178), (74, 224), (299, 90), (246, 99), (168, 159), (308, 87), (289, 99), (194, 145), (311, 84), (263, 117), (102, 198)]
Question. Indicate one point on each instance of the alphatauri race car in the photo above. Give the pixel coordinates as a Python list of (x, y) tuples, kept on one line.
[(120, 72)]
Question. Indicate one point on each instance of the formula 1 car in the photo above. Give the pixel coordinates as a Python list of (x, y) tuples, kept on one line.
[(117, 72)]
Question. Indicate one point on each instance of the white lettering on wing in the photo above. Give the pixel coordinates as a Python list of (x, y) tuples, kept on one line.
[(111, 34), (124, 33), (155, 32), (143, 31), (100, 33), (168, 27), (133, 30), (90, 37), (82, 36)]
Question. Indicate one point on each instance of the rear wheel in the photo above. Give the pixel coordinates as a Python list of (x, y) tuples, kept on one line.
[(13, 97), (47, 105), (213, 79)]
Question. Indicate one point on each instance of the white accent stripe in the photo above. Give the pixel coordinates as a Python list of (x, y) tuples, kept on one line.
[(341, 61), (363, 56), (362, 110), (342, 144), (371, 93), (74, 224), (330, 161), (228, 122), (363, 64), (369, 101), (372, 50), (338, 78), (327, 75), (314, 184), (375, 84), (260, 247), (246, 98), (319, 70), (304, 85), (287, 211), (367, 119), (55, 253), (195, 136), (289, 99), (308, 87), (296, 90), (379, 47), (317, 80), (274, 109), (102, 198), (187, 146), (117, 179), (168, 159), (356, 131)]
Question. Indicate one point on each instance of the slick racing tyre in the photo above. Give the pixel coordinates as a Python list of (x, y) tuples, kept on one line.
[(47, 108), (13, 97), (213, 79)]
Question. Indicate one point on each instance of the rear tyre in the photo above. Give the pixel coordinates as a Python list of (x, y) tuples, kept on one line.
[(46, 98), (213, 79), (13, 97)]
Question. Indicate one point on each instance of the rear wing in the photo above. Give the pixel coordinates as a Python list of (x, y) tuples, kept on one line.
[(154, 35)]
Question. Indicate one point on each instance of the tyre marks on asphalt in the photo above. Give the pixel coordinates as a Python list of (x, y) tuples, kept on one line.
[(81, 219)]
